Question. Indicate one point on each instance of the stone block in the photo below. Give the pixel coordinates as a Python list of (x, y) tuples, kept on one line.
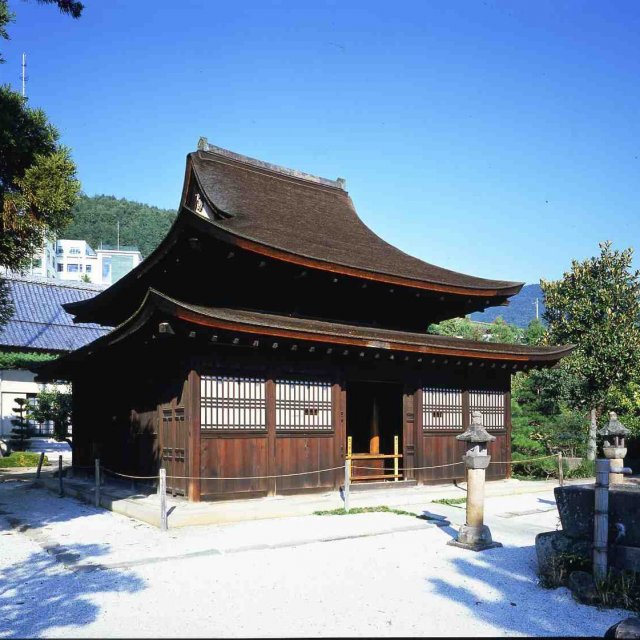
[(628, 629), (551, 546), (583, 587)]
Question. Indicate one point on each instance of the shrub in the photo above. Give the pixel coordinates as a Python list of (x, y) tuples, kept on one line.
[(22, 459)]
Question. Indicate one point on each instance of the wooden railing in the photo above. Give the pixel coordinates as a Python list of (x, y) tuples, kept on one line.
[(356, 457)]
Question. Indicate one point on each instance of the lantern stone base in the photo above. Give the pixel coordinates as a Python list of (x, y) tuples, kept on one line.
[(474, 538)]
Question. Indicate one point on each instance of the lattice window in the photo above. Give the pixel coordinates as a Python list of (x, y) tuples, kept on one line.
[(491, 405), (441, 408), (303, 405), (232, 403)]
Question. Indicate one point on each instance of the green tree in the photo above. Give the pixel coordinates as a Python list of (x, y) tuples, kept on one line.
[(52, 405), (596, 307), (501, 331), (21, 433), (96, 220), (535, 333), (497, 331), (38, 185), (458, 328)]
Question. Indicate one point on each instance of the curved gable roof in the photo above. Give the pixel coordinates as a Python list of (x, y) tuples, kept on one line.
[(313, 218)]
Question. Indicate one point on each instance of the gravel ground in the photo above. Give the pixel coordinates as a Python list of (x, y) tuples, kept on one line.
[(272, 578)]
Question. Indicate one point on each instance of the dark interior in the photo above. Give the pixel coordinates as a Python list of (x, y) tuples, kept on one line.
[(360, 400)]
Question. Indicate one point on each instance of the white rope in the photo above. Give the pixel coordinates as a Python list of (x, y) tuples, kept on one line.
[(305, 473)]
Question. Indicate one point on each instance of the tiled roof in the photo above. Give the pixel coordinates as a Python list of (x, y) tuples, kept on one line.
[(40, 322)]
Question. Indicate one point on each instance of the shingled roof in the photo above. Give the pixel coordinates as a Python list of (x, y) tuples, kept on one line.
[(312, 218), (307, 330), (39, 322)]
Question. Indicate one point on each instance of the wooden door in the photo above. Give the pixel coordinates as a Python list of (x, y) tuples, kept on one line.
[(409, 432), (174, 450)]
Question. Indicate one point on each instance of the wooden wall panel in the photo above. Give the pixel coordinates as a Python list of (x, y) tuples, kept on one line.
[(499, 451), (241, 456), (296, 454), (443, 448), (440, 449)]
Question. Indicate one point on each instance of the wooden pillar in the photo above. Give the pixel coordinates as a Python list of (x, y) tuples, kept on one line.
[(193, 417), (507, 427), (374, 439), (272, 459), (408, 432)]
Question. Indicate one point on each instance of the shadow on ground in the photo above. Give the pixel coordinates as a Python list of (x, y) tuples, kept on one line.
[(495, 586), (50, 587)]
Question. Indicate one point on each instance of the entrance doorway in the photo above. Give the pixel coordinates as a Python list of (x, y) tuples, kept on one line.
[(374, 420)]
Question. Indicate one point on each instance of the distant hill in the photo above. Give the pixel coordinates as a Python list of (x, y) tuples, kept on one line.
[(521, 309), (95, 220)]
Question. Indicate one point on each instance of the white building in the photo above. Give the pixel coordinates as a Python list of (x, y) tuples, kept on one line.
[(115, 262), (43, 263), (75, 259)]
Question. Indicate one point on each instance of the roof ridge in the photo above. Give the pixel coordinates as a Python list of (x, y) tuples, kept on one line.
[(204, 145), (53, 282)]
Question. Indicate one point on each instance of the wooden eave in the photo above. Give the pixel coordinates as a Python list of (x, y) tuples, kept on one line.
[(254, 323)]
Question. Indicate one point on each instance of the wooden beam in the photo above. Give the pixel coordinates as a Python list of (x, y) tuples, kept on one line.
[(166, 328)]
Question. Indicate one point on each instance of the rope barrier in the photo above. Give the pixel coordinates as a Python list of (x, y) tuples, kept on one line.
[(284, 475), (124, 475), (553, 455), (453, 464), (304, 473)]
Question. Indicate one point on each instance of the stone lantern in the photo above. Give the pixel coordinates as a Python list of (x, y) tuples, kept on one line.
[(474, 534), (615, 431)]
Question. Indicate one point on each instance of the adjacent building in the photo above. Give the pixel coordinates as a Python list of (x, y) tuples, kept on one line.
[(76, 261), (39, 325), (272, 333)]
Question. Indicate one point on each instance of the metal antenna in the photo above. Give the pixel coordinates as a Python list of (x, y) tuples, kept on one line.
[(118, 227), (24, 75)]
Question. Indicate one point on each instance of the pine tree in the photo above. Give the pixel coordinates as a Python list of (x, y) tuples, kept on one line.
[(21, 432)]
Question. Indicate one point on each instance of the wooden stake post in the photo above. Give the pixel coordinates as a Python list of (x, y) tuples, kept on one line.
[(97, 479), (396, 460), (601, 520), (560, 469), (347, 482), (40, 461), (162, 492), (60, 489)]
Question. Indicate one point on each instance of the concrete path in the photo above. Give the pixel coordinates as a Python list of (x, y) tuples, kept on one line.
[(71, 570)]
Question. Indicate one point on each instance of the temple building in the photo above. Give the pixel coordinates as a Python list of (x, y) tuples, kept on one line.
[(272, 333)]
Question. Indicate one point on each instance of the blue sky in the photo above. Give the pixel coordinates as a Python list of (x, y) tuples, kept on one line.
[(496, 138)]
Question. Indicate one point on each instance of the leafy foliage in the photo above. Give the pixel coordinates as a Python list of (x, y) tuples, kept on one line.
[(458, 328), (95, 220), (23, 360), (21, 433), (496, 331), (38, 186), (596, 306), (52, 405), (6, 304)]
